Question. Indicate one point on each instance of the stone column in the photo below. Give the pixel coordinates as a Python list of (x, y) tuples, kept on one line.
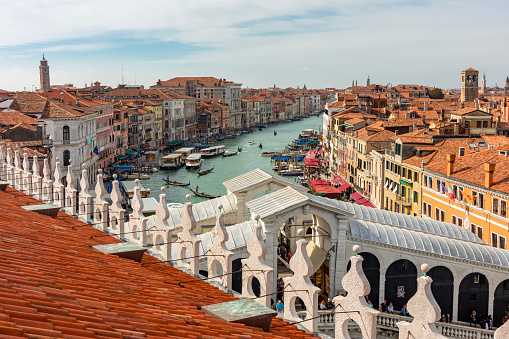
[(455, 296), (381, 290), (271, 234), (332, 262), (341, 257), (241, 215), (491, 298)]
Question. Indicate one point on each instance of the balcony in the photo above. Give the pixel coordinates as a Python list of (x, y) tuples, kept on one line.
[(103, 129), (407, 202)]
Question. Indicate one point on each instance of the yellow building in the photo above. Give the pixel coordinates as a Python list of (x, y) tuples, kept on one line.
[(471, 191), (157, 109)]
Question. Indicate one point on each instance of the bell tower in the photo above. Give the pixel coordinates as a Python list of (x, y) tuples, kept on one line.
[(44, 75), (469, 85)]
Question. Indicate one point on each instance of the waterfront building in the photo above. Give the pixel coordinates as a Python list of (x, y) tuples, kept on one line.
[(208, 88), (120, 131)]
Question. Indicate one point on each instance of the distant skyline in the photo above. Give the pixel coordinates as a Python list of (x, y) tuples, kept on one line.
[(290, 43)]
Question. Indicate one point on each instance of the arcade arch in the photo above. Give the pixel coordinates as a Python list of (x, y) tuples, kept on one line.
[(400, 282), (473, 295)]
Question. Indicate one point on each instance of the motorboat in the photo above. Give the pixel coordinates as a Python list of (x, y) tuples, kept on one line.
[(250, 142)]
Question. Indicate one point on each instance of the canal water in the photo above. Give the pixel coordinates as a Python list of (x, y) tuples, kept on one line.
[(230, 167)]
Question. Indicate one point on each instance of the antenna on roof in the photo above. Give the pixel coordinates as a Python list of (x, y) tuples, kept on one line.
[(122, 74)]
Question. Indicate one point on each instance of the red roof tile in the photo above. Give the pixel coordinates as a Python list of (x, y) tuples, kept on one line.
[(53, 284)]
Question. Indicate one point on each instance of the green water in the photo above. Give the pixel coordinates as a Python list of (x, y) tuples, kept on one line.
[(230, 167)]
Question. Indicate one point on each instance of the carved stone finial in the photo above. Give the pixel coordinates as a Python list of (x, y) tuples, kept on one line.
[(100, 204), (137, 221), (425, 310), (300, 286), (357, 286), (85, 199), (188, 196), (162, 233), (219, 253), (502, 332), (116, 210), (188, 240), (254, 267)]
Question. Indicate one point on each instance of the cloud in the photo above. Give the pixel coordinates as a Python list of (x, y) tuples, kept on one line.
[(322, 43)]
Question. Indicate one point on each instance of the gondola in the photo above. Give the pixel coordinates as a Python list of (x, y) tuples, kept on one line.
[(206, 171), (229, 154), (260, 145), (239, 149), (176, 183), (205, 195), (275, 133)]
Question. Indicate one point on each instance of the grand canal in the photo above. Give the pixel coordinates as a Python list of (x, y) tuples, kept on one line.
[(230, 167)]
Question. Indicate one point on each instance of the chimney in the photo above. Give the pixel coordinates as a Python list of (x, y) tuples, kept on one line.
[(396, 132), (461, 152), (489, 168), (426, 105), (77, 102), (450, 163)]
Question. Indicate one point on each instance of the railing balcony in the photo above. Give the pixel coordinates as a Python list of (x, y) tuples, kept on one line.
[(385, 321), (404, 201)]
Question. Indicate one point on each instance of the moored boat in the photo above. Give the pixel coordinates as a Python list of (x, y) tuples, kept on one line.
[(212, 151), (267, 154), (193, 161), (172, 161)]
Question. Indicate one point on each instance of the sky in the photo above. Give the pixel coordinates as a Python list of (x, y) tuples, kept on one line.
[(319, 43)]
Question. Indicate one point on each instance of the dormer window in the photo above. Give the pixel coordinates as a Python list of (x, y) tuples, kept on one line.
[(502, 153)]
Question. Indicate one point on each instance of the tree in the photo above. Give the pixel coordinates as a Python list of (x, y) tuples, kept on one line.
[(436, 93)]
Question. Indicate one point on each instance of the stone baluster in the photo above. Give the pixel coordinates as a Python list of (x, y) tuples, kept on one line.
[(100, 204), (85, 199), (502, 332), (354, 306), (18, 171), (162, 232), (117, 213), (36, 178), (300, 286), (188, 241), (255, 267), (425, 310), (3, 165), (58, 187), (137, 221), (27, 176), (219, 254), (9, 169), (70, 191)]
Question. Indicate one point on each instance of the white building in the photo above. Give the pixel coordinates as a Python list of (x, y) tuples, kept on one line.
[(73, 131), (314, 103)]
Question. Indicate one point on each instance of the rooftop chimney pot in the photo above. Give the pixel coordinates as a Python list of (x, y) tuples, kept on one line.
[(489, 169), (450, 163)]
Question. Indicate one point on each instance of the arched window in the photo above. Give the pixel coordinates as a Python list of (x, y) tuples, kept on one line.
[(166, 124), (67, 158), (66, 133)]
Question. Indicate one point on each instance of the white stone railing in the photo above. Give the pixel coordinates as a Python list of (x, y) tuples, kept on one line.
[(388, 322)]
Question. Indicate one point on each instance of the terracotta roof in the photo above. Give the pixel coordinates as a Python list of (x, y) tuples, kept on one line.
[(354, 121), (30, 103), (495, 140), (25, 126), (403, 123), (9, 117), (58, 110), (470, 168), (53, 284), (468, 110), (440, 150), (24, 146), (380, 136)]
